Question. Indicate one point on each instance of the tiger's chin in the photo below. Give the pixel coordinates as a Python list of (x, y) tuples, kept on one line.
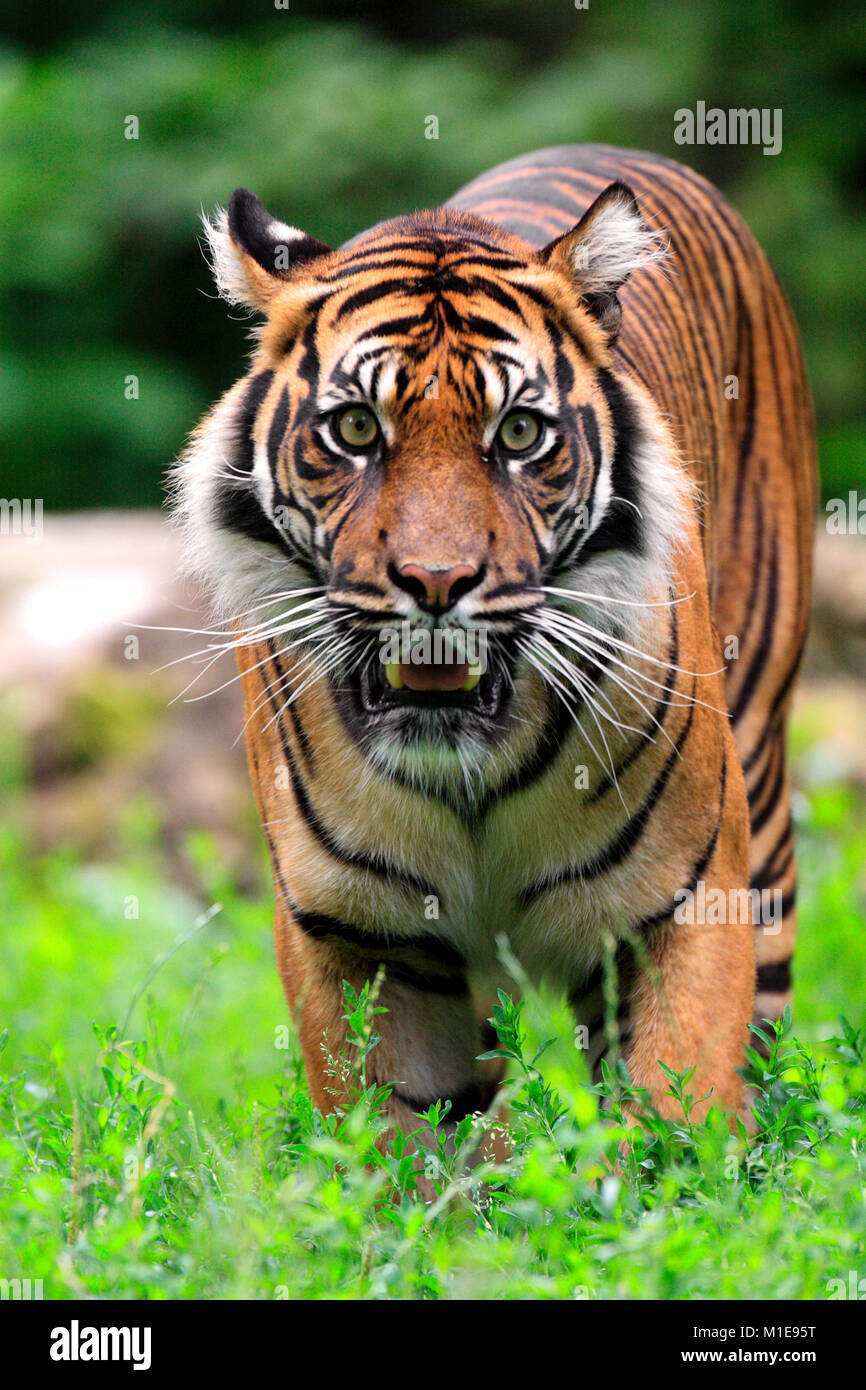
[(427, 735)]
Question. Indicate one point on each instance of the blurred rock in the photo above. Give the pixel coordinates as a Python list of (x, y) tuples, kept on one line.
[(101, 727), (837, 641), (830, 705)]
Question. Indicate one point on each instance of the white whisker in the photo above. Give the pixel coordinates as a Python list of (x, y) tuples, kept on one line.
[(609, 598), (304, 639), (584, 635), (570, 673), (547, 676), (581, 649)]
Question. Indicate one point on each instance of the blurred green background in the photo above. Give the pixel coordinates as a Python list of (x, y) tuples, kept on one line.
[(321, 109)]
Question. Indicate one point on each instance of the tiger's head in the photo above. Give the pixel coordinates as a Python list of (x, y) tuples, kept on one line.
[(432, 443)]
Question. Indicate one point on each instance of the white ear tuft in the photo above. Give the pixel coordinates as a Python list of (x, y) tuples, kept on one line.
[(612, 241), (609, 243), (253, 255), (226, 262)]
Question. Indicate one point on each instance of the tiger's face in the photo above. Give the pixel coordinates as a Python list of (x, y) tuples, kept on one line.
[(432, 438)]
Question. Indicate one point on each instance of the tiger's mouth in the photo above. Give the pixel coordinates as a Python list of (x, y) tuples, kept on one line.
[(382, 687), (410, 701)]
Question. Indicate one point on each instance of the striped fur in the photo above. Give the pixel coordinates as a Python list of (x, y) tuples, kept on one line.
[(641, 574)]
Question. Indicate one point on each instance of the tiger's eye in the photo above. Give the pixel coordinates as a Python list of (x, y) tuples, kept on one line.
[(518, 432), (357, 427)]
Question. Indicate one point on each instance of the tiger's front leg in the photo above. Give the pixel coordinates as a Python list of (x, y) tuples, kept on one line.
[(430, 1036), (690, 1005), (685, 983)]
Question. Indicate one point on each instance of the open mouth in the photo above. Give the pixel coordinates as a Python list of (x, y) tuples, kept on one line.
[(432, 677), (380, 687)]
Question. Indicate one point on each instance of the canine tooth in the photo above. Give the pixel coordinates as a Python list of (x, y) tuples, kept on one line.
[(392, 675), (472, 679)]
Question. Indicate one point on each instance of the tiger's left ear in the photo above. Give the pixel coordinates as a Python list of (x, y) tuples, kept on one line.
[(610, 241), (254, 254)]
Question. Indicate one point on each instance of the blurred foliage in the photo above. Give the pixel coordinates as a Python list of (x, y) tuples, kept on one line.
[(321, 109)]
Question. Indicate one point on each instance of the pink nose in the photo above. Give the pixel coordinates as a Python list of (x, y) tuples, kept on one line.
[(438, 589)]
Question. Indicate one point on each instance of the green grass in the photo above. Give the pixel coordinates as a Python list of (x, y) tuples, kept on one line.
[(157, 1139)]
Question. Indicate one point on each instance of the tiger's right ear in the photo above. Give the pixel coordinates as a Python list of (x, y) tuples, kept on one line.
[(609, 243), (252, 254)]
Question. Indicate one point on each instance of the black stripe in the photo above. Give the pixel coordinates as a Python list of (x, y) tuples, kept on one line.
[(277, 429), (509, 590), (480, 284), (375, 864), (751, 610), (319, 924), (760, 817), (657, 720), (323, 928), (655, 918), (381, 289), (342, 584), (279, 687), (373, 259), (499, 260), (770, 871), (774, 977), (765, 641), (236, 504), (485, 328), (768, 878), (393, 328), (246, 419), (746, 380), (770, 729), (755, 794), (300, 734), (627, 838), (619, 528), (239, 509), (550, 743)]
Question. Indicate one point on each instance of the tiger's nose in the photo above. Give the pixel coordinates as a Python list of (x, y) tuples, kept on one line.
[(436, 590)]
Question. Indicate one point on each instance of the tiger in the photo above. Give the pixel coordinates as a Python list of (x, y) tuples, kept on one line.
[(508, 526)]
